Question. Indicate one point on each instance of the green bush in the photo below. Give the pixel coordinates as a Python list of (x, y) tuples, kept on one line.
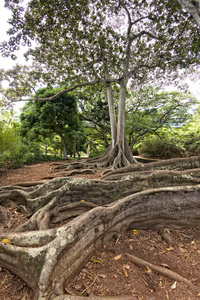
[(12, 150), (192, 143), (165, 147), (96, 152)]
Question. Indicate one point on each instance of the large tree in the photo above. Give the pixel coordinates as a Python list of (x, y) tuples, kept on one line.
[(89, 42), (86, 43)]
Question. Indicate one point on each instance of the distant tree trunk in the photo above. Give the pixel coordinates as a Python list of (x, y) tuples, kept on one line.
[(45, 146), (63, 141), (74, 148)]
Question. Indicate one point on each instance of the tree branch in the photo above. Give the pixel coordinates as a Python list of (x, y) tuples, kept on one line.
[(96, 123), (143, 32), (62, 92)]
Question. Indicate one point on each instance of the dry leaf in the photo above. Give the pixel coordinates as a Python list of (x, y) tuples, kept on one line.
[(131, 247), (170, 249), (148, 269), (117, 257), (125, 273), (102, 275), (127, 267), (165, 266), (182, 250), (6, 241), (173, 286), (95, 261)]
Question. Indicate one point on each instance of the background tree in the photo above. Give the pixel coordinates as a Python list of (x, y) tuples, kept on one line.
[(149, 110), (95, 114), (102, 42), (59, 116)]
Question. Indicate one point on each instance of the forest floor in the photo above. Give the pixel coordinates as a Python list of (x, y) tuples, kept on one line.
[(109, 272)]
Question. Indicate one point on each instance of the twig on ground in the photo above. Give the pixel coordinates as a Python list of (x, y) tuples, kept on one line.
[(166, 272)]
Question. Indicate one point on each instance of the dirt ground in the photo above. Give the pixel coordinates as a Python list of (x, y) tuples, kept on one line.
[(109, 271)]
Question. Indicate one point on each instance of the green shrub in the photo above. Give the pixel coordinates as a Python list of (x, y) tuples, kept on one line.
[(96, 152), (12, 150), (165, 147)]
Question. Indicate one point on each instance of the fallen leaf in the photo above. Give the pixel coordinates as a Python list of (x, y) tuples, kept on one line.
[(117, 257), (6, 241), (165, 266), (102, 275), (125, 273), (95, 261), (182, 250), (135, 231), (148, 269), (127, 267), (170, 249), (173, 286), (131, 247), (82, 200)]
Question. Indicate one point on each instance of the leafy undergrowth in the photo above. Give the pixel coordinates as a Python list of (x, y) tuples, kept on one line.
[(109, 271)]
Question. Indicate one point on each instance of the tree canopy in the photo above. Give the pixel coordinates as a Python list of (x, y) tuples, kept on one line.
[(87, 42)]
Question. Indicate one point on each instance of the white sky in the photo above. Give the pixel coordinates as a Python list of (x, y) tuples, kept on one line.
[(7, 63)]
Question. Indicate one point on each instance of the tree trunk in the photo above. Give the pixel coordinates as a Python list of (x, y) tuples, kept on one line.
[(119, 154), (63, 141), (112, 114), (45, 146), (193, 8)]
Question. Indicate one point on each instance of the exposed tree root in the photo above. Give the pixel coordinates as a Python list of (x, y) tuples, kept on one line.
[(113, 158), (70, 297), (30, 183), (83, 171), (166, 272), (57, 167), (89, 213), (49, 258), (179, 164), (164, 232)]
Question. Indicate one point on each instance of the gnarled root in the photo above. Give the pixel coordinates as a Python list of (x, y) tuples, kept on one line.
[(48, 259)]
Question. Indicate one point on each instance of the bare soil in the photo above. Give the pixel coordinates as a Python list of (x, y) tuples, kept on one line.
[(109, 272)]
